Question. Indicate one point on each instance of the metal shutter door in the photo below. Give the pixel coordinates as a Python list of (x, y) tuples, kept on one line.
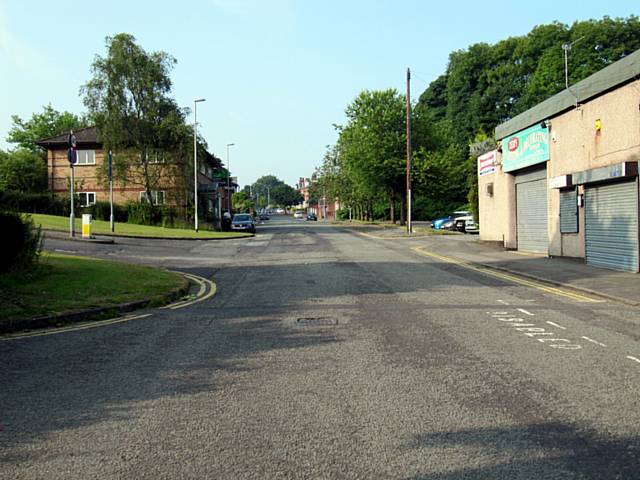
[(611, 226), (568, 211), (531, 202)]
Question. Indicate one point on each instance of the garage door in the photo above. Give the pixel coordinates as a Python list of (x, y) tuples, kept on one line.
[(611, 226), (531, 211)]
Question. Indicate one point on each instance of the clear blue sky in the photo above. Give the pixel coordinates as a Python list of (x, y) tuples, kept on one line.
[(276, 73)]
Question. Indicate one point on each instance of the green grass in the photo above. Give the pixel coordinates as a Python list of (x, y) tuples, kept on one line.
[(98, 227), (61, 283)]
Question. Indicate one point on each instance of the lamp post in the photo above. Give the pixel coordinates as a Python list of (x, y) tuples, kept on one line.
[(228, 175), (195, 159)]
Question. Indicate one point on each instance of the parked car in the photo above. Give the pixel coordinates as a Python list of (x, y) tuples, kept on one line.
[(298, 214), (243, 221), (471, 226), (448, 222), (263, 216), (280, 211), (312, 217)]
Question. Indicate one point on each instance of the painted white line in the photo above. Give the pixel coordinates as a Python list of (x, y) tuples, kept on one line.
[(556, 325), (524, 311), (503, 302), (633, 358), (594, 341), (64, 251)]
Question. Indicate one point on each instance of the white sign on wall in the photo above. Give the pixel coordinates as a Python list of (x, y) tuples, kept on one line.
[(487, 163)]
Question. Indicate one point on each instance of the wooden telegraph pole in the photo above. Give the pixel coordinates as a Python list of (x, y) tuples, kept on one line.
[(409, 227)]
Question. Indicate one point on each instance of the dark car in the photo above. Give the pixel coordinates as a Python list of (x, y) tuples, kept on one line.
[(243, 221), (312, 217), (263, 216)]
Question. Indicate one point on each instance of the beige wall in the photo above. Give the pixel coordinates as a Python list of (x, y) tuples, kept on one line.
[(575, 146), (497, 213)]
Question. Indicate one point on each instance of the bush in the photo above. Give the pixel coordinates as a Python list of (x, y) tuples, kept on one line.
[(20, 241), (343, 214), (14, 201), (102, 211)]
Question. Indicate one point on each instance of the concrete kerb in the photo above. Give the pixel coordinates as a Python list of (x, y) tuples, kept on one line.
[(58, 234), (75, 316)]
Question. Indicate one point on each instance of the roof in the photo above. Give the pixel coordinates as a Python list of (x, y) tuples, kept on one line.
[(87, 135), (616, 74)]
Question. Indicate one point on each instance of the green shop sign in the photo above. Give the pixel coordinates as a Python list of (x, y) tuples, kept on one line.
[(525, 148)]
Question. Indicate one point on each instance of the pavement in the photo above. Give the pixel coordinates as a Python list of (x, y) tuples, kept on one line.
[(570, 273)]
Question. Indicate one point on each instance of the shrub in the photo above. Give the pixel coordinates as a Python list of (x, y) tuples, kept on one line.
[(102, 211), (20, 241)]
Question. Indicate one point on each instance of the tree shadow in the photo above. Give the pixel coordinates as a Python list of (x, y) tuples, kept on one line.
[(535, 451)]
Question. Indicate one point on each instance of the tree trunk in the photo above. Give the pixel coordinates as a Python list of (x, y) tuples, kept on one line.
[(403, 210), (392, 208)]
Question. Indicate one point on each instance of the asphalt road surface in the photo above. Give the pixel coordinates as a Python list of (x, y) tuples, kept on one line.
[(327, 354)]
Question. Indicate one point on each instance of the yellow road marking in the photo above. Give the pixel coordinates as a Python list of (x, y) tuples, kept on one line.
[(75, 328), (201, 296), (509, 277)]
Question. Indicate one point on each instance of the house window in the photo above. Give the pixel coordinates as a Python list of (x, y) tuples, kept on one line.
[(156, 195), (86, 157), (86, 198), (568, 211), (154, 156)]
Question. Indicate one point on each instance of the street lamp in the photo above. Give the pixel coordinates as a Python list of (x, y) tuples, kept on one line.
[(195, 158), (228, 174)]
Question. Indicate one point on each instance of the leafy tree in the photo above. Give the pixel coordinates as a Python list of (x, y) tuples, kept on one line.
[(285, 195), (22, 170), (242, 203), (48, 123), (128, 100)]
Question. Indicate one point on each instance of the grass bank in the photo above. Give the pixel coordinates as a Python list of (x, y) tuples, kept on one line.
[(99, 227), (62, 283)]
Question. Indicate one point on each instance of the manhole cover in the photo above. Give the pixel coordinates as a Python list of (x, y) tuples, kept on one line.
[(316, 321)]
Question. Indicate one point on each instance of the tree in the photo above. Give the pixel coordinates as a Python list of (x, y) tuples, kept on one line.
[(285, 195), (22, 170), (242, 203), (48, 123), (128, 100)]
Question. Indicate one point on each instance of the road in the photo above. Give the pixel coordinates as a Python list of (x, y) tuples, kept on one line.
[(325, 353)]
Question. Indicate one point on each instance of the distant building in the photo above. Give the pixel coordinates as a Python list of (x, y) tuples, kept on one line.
[(173, 179)]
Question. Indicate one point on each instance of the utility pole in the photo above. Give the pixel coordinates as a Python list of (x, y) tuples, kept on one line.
[(409, 229), (195, 161)]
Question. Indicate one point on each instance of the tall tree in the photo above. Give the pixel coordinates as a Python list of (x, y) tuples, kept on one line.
[(23, 171), (128, 99), (48, 123)]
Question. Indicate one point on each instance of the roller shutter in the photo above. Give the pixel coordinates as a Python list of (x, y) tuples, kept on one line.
[(531, 211), (611, 226)]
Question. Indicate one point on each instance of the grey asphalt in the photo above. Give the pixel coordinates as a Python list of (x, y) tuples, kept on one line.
[(327, 354)]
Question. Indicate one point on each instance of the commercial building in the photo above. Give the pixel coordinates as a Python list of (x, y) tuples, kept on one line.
[(564, 179)]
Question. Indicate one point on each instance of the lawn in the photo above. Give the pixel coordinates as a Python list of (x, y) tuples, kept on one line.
[(61, 283), (98, 227)]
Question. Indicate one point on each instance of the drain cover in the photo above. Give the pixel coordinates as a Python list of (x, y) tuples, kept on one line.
[(316, 321)]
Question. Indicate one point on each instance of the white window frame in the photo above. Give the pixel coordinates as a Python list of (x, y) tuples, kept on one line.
[(84, 198), (86, 157), (154, 195)]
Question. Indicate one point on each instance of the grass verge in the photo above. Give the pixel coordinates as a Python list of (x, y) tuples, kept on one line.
[(63, 283), (99, 227)]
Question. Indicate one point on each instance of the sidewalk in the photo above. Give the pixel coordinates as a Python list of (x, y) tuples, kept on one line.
[(565, 272), (569, 273)]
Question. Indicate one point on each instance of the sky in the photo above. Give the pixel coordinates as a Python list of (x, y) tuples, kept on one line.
[(276, 74)]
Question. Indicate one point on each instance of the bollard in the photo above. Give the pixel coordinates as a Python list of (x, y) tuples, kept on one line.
[(86, 225)]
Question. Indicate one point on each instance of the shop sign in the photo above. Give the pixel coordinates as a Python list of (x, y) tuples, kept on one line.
[(525, 148), (487, 163)]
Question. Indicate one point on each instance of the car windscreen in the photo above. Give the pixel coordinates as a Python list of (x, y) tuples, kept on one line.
[(242, 218)]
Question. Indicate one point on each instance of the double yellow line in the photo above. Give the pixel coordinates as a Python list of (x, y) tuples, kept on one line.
[(202, 295), (508, 277)]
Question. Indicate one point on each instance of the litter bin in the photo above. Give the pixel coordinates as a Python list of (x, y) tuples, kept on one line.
[(86, 225)]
